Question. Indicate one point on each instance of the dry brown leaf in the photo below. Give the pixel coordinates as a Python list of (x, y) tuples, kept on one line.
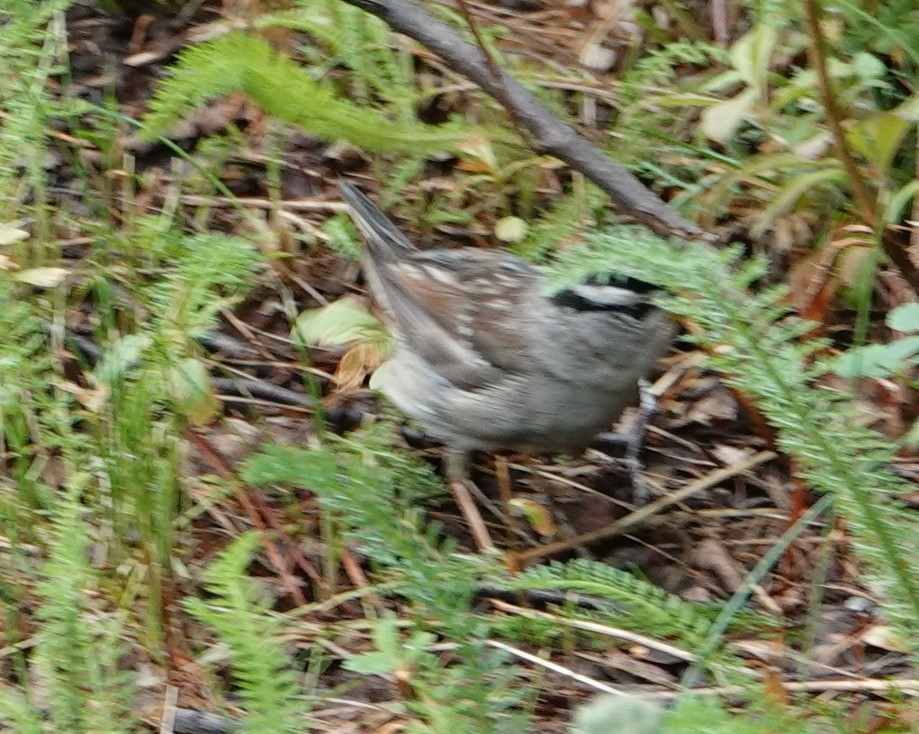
[(539, 518)]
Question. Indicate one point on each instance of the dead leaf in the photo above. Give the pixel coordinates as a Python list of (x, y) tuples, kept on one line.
[(720, 121), (774, 688), (884, 637), (42, 277), (539, 517), (10, 235), (718, 405), (90, 398), (731, 455), (812, 284), (767, 651), (355, 364)]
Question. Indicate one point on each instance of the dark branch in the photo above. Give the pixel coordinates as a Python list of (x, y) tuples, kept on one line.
[(188, 721), (550, 134)]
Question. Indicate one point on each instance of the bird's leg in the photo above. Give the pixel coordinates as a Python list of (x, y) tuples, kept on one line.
[(647, 407), (632, 442), (503, 475), (458, 476)]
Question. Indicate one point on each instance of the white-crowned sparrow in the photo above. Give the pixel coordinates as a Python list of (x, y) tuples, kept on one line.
[(487, 359)]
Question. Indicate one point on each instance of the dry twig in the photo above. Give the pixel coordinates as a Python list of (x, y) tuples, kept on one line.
[(550, 134)]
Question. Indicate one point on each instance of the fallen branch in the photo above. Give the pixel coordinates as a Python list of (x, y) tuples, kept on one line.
[(189, 721), (550, 134)]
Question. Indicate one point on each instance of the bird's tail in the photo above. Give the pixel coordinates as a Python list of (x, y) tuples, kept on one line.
[(385, 242)]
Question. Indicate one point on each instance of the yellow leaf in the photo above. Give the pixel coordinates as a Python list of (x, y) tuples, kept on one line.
[(539, 517), (479, 147), (721, 121), (878, 138), (752, 54), (193, 392), (510, 229), (344, 321)]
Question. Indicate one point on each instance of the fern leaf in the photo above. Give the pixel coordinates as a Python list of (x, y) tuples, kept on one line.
[(237, 62), (761, 354)]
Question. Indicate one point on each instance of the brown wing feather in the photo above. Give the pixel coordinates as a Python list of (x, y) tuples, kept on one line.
[(425, 296), (469, 294)]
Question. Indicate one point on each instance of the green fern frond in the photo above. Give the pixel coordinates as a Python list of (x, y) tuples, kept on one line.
[(269, 687), (26, 369), (643, 605), (79, 645), (661, 66), (379, 492), (382, 69), (29, 57), (237, 62), (193, 291), (309, 18), (17, 711), (760, 350), (376, 492)]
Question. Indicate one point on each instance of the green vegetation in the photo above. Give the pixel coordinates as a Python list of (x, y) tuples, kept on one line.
[(122, 570)]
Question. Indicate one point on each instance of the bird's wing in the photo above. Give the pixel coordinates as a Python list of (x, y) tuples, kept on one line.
[(451, 307), (476, 299)]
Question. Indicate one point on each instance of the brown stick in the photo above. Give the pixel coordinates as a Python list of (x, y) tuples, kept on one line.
[(642, 514), (264, 520), (550, 134)]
